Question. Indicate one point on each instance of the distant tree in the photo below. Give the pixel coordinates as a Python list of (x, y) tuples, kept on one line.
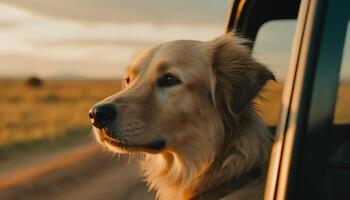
[(34, 82)]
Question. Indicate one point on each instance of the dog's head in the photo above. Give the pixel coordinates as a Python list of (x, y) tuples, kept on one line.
[(175, 93)]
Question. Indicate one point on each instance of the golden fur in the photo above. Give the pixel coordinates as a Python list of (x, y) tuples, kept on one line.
[(211, 132)]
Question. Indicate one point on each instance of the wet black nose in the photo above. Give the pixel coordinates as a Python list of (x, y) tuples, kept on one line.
[(102, 114)]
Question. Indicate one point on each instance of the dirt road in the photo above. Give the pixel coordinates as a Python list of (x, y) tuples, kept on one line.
[(80, 172)]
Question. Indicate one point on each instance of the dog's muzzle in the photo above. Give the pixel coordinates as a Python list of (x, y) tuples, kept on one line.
[(103, 115)]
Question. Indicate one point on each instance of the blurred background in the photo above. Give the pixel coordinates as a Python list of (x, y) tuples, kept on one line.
[(59, 57)]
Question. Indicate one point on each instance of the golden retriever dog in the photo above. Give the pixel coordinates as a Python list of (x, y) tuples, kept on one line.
[(187, 106)]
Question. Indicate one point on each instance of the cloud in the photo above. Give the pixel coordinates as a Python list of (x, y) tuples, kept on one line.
[(6, 24), (48, 46), (34, 28), (9, 16), (203, 12), (81, 36), (94, 42), (133, 35)]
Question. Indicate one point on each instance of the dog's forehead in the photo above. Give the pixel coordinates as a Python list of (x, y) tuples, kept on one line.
[(142, 60), (179, 53)]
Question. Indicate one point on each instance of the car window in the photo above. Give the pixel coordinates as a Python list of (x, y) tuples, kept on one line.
[(272, 47)]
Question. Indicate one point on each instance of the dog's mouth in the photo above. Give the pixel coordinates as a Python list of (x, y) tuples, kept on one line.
[(152, 147)]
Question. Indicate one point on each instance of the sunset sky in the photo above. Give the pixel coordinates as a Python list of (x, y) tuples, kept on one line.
[(97, 39)]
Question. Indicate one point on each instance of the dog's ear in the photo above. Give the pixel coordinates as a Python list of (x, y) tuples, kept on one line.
[(238, 77)]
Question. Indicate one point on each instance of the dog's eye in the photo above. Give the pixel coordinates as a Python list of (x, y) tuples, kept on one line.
[(127, 80), (168, 80)]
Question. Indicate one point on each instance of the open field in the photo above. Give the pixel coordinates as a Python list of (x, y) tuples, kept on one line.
[(30, 113), (61, 107)]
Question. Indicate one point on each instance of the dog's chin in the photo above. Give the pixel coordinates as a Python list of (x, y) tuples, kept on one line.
[(123, 146)]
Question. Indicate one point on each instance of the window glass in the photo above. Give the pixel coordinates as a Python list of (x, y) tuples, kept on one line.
[(272, 48)]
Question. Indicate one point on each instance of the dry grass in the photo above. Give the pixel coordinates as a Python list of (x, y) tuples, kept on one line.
[(28, 113), (57, 107), (342, 108), (270, 102)]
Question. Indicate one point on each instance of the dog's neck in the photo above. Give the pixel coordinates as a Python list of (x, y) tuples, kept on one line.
[(203, 165)]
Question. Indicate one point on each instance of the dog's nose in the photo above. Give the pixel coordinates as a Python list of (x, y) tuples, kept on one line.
[(102, 114)]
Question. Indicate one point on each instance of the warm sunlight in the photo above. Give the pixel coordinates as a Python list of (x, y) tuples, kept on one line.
[(159, 99)]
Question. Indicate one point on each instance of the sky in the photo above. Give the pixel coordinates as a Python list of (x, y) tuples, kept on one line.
[(97, 39)]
